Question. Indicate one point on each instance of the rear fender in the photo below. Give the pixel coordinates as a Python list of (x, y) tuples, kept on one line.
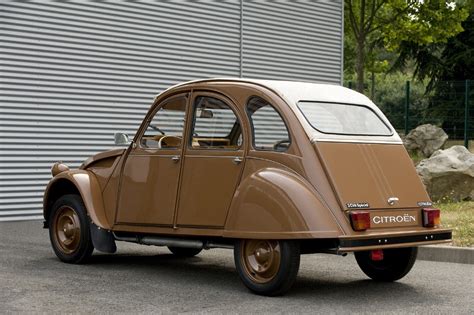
[(278, 204)]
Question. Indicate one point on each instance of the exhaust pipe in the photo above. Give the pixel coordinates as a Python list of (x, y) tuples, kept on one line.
[(210, 245), (173, 242)]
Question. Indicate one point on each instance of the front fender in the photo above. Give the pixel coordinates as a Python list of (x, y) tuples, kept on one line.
[(87, 185), (278, 204)]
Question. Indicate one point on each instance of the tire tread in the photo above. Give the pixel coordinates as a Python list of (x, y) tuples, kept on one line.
[(286, 276), (86, 247), (400, 263)]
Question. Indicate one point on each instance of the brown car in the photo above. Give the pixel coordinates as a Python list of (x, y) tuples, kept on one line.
[(270, 169)]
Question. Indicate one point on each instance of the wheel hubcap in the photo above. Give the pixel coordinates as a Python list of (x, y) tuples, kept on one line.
[(261, 259), (67, 230)]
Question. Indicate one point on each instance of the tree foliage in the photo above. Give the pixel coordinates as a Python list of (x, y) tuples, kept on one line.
[(390, 96), (375, 28), (446, 67), (453, 60)]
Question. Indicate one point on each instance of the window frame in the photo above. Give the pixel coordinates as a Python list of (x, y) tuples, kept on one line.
[(391, 132), (193, 112), (252, 129), (152, 113)]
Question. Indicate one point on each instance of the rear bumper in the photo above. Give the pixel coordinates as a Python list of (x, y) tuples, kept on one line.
[(380, 242)]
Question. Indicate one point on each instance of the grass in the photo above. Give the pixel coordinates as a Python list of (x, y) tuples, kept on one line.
[(416, 157), (459, 216)]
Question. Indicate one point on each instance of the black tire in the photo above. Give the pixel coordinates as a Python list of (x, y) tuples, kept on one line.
[(396, 263), (184, 252), (282, 277), (71, 244)]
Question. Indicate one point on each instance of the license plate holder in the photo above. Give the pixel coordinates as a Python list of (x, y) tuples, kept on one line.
[(394, 218)]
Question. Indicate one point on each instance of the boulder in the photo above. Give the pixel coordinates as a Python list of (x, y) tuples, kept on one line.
[(425, 139), (448, 174)]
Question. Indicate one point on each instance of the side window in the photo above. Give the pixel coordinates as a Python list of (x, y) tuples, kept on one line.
[(268, 128), (165, 130), (215, 125)]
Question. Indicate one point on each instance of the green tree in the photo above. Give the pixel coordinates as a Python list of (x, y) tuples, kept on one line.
[(445, 66), (453, 60), (371, 24), (390, 96)]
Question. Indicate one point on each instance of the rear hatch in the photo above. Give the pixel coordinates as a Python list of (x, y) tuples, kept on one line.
[(375, 177)]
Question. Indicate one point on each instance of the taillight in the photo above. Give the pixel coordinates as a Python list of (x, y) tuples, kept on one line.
[(360, 220), (431, 217), (376, 255)]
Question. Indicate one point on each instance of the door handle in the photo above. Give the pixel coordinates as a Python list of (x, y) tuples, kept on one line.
[(175, 158), (237, 160)]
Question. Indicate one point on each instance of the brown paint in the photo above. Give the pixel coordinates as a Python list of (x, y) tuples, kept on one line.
[(301, 193), (372, 173), (148, 188), (89, 189)]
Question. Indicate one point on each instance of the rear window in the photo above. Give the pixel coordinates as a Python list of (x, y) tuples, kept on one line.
[(344, 119)]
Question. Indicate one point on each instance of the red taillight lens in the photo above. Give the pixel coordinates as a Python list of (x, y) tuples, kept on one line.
[(376, 255), (360, 220), (431, 217)]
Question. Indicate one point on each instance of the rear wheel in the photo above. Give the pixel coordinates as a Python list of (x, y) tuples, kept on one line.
[(184, 251), (69, 230), (396, 263), (267, 267)]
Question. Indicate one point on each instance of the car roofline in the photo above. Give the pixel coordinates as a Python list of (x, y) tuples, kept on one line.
[(223, 79), (291, 101)]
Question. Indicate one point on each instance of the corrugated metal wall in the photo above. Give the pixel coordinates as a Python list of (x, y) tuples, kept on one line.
[(296, 40), (73, 73)]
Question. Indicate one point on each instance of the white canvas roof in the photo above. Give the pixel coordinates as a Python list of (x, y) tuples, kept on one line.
[(293, 92)]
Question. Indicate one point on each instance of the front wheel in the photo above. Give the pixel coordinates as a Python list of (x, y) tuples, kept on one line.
[(69, 230), (267, 267), (394, 265)]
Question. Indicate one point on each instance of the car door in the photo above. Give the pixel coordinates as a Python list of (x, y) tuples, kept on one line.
[(150, 177), (213, 162)]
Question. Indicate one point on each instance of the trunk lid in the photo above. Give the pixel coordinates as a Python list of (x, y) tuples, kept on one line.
[(369, 176)]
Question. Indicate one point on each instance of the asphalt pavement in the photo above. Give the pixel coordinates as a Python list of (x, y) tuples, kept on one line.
[(142, 279)]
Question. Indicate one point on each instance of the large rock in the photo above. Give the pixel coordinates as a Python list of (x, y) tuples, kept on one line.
[(425, 139), (449, 174)]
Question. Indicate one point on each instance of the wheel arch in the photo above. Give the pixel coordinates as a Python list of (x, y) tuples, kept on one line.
[(82, 183), (274, 203)]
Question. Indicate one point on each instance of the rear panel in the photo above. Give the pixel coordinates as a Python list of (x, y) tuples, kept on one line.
[(368, 176)]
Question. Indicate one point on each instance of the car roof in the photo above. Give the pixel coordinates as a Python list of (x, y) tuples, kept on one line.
[(295, 91)]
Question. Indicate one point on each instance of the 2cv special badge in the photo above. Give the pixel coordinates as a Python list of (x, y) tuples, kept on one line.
[(270, 169)]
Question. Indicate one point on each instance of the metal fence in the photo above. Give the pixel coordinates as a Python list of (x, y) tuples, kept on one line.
[(449, 106)]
